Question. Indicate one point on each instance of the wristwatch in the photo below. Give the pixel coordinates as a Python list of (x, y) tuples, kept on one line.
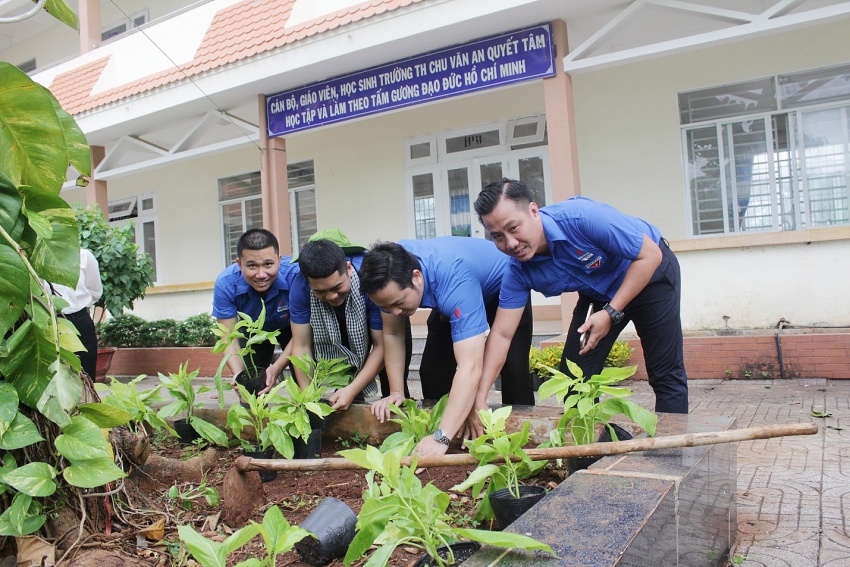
[(440, 437), (616, 316)]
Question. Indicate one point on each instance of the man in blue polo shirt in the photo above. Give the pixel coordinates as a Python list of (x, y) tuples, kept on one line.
[(258, 277), (459, 279), (332, 318), (617, 263)]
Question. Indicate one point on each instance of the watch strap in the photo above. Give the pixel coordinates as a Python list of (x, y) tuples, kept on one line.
[(616, 316), (441, 437)]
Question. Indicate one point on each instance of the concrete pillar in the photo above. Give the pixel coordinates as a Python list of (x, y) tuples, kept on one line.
[(563, 152), (96, 189), (274, 184), (560, 119), (89, 18)]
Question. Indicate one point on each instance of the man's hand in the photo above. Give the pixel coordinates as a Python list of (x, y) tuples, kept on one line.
[(473, 428), (597, 328), (429, 446), (271, 380), (380, 409), (342, 398)]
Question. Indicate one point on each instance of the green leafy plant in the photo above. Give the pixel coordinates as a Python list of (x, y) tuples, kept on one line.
[(299, 403), (186, 495), (399, 510), (497, 443), (278, 535), (266, 418), (542, 359), (52, 448), (416, 423), (354, 440), (246, 330), (125, 271), (121, 331), (139, 404), (181, 388), (584, 406), (619, 355), (196, 330), (159, 333)]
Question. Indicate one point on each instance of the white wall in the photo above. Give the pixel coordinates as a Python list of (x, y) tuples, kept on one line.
[(630, 155)]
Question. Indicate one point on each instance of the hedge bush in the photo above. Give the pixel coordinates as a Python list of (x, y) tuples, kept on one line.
[(131, 331)]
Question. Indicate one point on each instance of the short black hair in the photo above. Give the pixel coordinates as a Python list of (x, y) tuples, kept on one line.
[(256, 239), (387, 262), (321, 258), (511, 189)]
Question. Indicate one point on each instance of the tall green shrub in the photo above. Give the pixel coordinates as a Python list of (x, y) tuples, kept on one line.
[(126, 273)]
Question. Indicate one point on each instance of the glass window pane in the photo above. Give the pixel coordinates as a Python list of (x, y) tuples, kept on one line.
[(300, 174), (149, 243), (531, 173), (817, 86), (825, 162), (728, 100), (747, 169), (232, 228), (239, 186), (418, 151), (473, 142), (703, 171), (459, 202), (305, 214), (490, 172), (424, 215)]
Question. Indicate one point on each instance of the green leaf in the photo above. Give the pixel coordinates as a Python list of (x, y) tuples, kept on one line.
[(240, 537), (60, 10), (505, 539), (209, 431), (27, 367), (82, 440), (206, 552), (21, 433), (480, 474), (8, 405), (11, 207), (19, 519), (14, 288), (29, 130), (61, 395), (56, 253), (105, 415), (79, 151), (34, 479), (92, 473)]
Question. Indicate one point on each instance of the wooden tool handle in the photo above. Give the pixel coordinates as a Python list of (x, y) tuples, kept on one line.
[(591, 450)]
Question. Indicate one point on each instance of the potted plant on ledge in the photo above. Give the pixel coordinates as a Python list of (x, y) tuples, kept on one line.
[(589, 403), (505, 497)]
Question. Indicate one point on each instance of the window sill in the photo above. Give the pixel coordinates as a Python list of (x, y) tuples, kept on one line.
[(761, 239)]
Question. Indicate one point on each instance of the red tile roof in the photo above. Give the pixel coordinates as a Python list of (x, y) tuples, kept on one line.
[(237, 32)]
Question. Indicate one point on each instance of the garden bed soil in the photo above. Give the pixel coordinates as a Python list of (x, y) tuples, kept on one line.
[(295, 493)]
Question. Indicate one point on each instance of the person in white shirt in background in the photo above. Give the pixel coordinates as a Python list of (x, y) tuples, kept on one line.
[(80, 299)]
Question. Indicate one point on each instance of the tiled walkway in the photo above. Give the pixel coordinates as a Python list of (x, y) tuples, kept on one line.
[(793, 492)]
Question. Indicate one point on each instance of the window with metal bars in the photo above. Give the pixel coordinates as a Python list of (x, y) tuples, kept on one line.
[(768, 158)]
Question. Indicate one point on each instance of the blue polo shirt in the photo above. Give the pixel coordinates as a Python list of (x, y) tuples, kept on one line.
[(591, 246), (232, 293), (299, 300), (461, 275)]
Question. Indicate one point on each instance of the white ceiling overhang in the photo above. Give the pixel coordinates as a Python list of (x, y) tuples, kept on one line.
[(164, 125)]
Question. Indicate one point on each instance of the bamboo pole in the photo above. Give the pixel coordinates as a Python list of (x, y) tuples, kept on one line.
[(591, 450)]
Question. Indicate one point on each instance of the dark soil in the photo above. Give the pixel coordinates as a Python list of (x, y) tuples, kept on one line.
[(295, 493)]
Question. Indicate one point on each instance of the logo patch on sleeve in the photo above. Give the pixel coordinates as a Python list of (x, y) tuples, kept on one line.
[(595, 264)]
